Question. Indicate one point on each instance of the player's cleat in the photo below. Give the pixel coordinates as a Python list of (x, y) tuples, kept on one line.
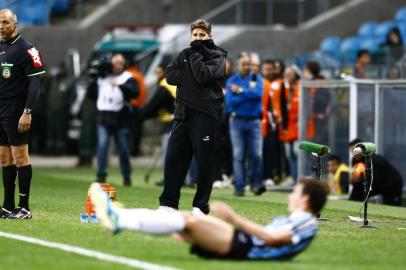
[(105, 211), (20, 213)]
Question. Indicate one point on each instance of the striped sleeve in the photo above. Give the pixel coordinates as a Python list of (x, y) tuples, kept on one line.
[(304, 226)]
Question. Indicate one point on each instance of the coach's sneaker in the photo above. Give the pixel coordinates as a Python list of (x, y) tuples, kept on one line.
[(105, 211), (197, 212), (20, 213)]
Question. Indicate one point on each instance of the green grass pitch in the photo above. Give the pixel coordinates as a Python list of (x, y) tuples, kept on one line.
[(58, 197)]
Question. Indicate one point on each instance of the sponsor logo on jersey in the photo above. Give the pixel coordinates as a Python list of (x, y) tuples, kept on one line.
[(35, 57)]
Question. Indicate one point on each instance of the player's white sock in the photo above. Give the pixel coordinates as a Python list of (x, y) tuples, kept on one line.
[(151, 221)]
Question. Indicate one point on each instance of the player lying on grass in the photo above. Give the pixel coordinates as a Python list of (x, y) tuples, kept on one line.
[(231, 235)]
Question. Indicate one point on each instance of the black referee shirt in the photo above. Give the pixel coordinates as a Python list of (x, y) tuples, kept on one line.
[(18, 60)]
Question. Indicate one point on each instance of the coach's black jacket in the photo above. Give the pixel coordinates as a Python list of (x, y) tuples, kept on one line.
[(198, 72)]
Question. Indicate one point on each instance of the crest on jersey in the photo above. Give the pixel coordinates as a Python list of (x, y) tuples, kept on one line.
[(6, 70)]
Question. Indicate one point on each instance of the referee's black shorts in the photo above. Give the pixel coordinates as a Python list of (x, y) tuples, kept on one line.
[(10, 113)]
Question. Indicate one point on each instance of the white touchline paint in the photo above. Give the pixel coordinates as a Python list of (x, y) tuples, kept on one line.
[(87, 252)]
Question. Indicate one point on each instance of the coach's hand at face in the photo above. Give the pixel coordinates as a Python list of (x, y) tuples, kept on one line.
[(24, 123)]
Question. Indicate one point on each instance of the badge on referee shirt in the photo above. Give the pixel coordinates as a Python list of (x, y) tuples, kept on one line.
[(6, 70)]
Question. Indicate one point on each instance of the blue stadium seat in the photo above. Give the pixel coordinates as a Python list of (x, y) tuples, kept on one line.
[(401, 15), (33, 12), (370, 44), (367, 29), (349, 49), (7, 4), (60, 6), (383, 29), (330, 46)]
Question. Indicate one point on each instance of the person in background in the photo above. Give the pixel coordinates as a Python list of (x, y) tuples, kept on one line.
[(387, 180), (88, 132), (113, 93), (320, 104), (161, 105), (363, 61), (136, 127), (394, 39), (394, 44), (255, 63), (288, 129), (224, 168), (243, 100), (59, 99), (270, 153), (338, 175)]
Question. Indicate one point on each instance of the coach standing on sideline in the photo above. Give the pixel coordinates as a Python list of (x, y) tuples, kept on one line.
[(198, 72), (21, 65)]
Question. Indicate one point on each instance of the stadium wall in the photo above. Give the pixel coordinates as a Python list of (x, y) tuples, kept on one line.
[(54, 41)]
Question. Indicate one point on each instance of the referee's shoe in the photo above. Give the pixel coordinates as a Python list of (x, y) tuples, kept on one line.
[(20, 213), (4, 213)]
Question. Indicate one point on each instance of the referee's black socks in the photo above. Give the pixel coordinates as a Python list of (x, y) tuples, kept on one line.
[(24, 183), (9, 185)]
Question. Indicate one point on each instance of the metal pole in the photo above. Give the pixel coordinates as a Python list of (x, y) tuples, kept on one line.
[(269, 12), (301, 126), (353, 110), (239, 13), (78, 9), (367, 180), (317, 168), (300, 12), (377, 122)]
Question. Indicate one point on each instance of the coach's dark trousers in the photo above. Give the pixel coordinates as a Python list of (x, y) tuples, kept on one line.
[(193, 135)]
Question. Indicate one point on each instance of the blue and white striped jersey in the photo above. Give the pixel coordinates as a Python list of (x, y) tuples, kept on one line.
[(304, 227)]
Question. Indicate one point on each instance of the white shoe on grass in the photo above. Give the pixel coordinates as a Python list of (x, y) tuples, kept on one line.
[(105, 211), (218, 184)]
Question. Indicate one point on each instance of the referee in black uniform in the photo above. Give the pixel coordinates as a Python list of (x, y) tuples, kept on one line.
[(21, 65), (198, 72)]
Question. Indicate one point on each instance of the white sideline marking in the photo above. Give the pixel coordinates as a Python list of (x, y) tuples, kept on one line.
[(87, 252)]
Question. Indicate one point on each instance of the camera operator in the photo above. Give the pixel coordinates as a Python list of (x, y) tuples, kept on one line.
[(113, 89)]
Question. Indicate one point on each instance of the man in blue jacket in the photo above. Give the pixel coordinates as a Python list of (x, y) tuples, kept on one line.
[(243, 101)]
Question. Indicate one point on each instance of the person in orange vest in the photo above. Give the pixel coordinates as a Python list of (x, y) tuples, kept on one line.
[(288, 129), (272, 154), (137, 126)]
